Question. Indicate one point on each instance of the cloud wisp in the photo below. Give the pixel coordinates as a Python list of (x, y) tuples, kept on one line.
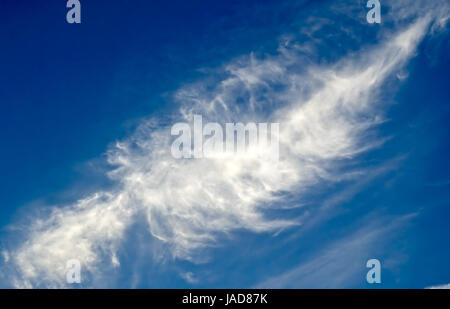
[(329, 267), (440, 287), (325, 115)]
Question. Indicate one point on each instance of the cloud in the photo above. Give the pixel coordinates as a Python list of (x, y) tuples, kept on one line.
[(325, 113), (440, 287), (341, 264), (189, 277)]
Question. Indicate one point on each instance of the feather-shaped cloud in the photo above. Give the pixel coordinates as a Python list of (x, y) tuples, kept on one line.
[(325, 114)]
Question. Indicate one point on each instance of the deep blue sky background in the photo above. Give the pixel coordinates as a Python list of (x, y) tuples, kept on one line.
[(68, 91)]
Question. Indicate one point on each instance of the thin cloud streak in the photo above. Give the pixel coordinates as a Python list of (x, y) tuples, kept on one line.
[(329, 267), (440, 287)]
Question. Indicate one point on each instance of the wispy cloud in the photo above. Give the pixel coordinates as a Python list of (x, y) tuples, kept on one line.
[(440, 287), (341, 264), (325, 116)]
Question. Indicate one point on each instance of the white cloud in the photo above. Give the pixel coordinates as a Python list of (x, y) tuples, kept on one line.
[(5, 256), (440, 287), (189, 277), (341, 264), (324, 115)]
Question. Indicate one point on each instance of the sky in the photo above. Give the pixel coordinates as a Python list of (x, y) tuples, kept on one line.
[(86, 171)]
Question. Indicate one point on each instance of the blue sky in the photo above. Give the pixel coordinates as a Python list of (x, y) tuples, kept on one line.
[(86, 111)]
